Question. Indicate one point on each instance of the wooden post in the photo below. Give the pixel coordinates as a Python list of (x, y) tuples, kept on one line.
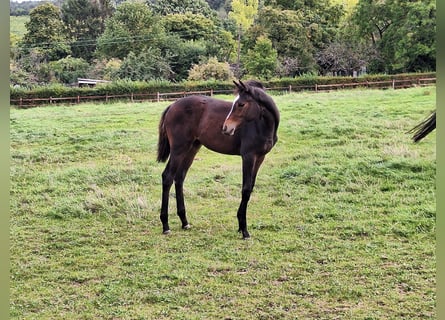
[(157, 97), (393, 83), (211, 92), (21, 101), (78, 99), (316, 88), (290, 88), (132, 99)]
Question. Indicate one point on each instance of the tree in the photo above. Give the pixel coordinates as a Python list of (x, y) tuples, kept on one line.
[(243, 13), (85, 21), (68, 69), (22, 8), (339, 58), (261, 61), (105, 69), (218, 42), (409, 44), (221, 45), (216, 4), (321, 18), (288, 67), (132, 28), (189, 26), (165, 7), (288, 35), (373, 19), (147, 65), (45, 33), (403, 32), (184, 54)]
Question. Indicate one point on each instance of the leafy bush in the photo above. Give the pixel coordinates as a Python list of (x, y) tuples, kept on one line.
[(105, 69), (211, 70), (68, 69)]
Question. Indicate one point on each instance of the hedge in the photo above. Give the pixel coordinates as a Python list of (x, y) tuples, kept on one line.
[(137, 87)]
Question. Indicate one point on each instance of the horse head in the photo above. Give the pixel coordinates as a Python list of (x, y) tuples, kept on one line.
[(247, 106), (244, 107)]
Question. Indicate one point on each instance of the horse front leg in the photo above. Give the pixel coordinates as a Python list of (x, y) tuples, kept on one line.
[(250, 169), (242, 210)]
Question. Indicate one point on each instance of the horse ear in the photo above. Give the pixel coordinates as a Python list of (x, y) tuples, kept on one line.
[(245, 88), (241, 86)]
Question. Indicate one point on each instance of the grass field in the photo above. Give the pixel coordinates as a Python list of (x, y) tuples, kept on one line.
[(342, 217), (17, 25)]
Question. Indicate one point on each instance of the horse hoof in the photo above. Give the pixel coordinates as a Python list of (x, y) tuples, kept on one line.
[(166, 232), (186, 227)]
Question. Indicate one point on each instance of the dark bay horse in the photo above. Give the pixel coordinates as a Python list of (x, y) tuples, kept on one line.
[(246, 127)]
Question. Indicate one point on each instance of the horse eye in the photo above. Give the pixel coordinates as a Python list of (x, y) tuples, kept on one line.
[(241, 105)]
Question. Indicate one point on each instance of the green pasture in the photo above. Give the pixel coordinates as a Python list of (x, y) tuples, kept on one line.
[(17, 25), (342, 218)]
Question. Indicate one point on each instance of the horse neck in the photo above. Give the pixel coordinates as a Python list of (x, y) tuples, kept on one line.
[(269, 127)]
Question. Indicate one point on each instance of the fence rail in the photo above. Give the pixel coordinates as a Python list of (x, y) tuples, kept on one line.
[(157, 97)]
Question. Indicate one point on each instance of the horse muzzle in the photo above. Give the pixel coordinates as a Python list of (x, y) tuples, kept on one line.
[(228, 130)]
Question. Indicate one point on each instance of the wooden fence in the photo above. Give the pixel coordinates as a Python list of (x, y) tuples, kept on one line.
[(156, 97)]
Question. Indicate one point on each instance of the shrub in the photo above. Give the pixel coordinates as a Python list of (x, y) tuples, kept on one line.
[(68, 69), (211, 70)]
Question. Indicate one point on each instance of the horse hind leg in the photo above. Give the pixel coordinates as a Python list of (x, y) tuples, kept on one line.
[(175, 171), (179, 184), (167, 181)]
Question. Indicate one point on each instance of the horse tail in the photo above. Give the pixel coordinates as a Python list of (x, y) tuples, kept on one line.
[(163, 144), (424, 128)]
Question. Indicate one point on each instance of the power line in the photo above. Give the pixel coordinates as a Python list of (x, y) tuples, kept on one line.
[(84, 42)]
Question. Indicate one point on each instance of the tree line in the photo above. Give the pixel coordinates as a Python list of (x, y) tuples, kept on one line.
[(177, 40)]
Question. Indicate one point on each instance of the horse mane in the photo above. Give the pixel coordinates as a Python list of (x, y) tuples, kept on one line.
[(257, 90)]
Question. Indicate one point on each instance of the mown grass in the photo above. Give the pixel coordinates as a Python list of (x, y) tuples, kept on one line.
[(342, 217)]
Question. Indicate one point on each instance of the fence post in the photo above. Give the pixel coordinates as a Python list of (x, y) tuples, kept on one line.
[(211, 92), (290, 88), (78, 99), (50, 100), (132, 99), (157, 97), (393, 83), (316, 88), (106, 97), (21, 101)]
